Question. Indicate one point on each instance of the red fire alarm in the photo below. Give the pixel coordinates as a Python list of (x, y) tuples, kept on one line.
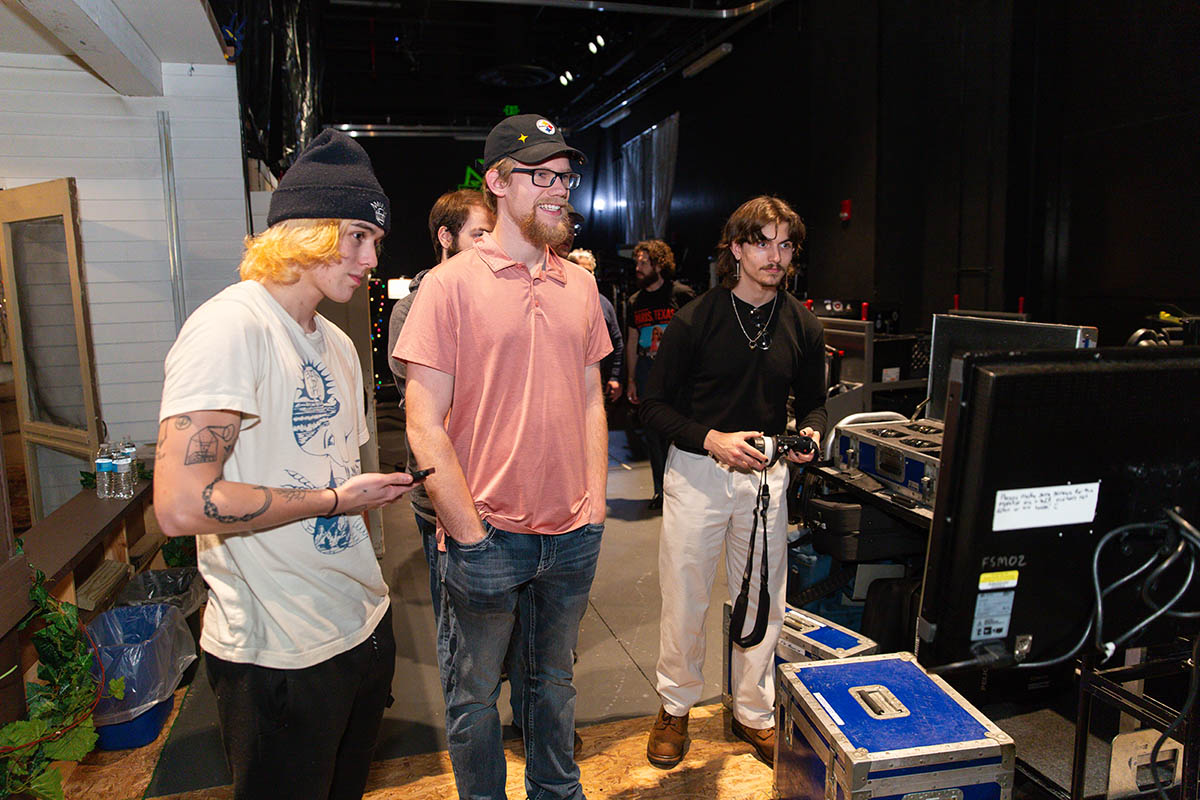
[(844, 211)]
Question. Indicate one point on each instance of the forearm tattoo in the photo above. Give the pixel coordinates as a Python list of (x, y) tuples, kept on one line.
[(212, 512), (205, 445), (294, 495)]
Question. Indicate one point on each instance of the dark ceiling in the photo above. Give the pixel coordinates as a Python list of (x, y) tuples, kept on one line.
[(459, 63)]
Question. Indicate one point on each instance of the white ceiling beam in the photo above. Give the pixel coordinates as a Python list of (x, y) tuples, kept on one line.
[(97, 32)]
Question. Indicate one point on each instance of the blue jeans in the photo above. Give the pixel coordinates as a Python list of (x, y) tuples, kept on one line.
[(512, 662), (428, 531), (484, 584)]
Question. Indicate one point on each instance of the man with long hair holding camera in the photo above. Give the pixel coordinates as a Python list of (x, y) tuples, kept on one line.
[(720, 380), (503, 345)]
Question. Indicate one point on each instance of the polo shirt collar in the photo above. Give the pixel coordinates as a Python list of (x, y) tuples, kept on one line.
[(497, 259)]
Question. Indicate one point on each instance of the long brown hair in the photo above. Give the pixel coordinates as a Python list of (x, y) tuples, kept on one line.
[(745, 226), (659, 253)]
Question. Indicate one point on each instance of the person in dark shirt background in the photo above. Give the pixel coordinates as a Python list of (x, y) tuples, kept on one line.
[(457, 220), (649, 310), (610, 367)]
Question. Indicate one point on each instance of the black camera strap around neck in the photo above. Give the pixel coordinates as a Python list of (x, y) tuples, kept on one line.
[(738, 619)]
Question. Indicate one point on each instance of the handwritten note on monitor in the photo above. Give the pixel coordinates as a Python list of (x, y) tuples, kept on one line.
[(1044, 506)]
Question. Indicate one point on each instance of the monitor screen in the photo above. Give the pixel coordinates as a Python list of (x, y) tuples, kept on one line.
[(1043, 454), (954, 335)]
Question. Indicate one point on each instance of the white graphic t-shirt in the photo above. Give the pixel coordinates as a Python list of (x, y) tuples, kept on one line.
[(296, 595)]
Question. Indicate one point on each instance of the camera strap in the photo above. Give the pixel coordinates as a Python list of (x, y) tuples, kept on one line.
[(737, 619)]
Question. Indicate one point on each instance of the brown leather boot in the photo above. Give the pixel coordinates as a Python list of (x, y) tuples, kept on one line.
[(761, 739), (668, 740)]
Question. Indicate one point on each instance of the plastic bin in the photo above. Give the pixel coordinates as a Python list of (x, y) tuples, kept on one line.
[(149, 646), (181, 587), (139, 731)]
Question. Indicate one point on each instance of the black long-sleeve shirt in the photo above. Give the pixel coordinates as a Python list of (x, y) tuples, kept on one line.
[(705, 376)]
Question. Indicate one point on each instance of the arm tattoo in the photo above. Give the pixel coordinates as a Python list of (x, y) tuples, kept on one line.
[(293, 495), (212, 512), (182, 421), (203, 447)]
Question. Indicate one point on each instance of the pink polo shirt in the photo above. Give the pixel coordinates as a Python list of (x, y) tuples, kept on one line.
[(518, 349)]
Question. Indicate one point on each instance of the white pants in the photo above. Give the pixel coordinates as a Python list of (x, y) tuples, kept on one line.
[(704, 505)]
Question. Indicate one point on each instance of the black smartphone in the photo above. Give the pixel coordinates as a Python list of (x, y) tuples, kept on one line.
[(422, 474)]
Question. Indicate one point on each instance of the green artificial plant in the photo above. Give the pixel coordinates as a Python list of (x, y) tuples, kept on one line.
[(59, 725)]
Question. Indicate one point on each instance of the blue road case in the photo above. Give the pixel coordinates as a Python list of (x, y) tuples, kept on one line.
[(805, 637), (880, 727)]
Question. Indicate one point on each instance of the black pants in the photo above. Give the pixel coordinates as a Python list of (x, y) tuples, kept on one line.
[(656, 443), (305, 733)]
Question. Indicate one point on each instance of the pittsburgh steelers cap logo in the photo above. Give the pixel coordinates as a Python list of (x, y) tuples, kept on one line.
[(545, 126)]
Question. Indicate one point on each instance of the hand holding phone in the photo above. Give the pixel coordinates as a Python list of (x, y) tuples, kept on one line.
[(420, 475)]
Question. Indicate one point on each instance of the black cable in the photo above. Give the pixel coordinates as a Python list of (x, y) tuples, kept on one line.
[(1176, 554), (1095, 620), (1050, 662), (1136, 629), (1147, 587), (1099, 612), (1193, 685), (1189, 532), (1190, 540), (987, 654)]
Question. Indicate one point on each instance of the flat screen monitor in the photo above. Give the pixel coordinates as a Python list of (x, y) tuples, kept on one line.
[(1043, 454), (954, 335)]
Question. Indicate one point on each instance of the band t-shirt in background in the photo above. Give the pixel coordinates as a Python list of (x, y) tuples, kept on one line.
[(301, 593), (649, 313)]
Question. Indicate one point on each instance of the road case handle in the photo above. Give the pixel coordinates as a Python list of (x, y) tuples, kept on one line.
[(879, 702)]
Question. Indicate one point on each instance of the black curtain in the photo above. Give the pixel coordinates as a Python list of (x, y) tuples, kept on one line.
[(277, 50)]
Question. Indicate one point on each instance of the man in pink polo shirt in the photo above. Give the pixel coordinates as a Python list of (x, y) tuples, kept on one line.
[(504, 401)]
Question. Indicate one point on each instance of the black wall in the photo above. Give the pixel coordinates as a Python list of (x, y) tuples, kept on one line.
[(414, 172), (1106, 143), (1036, 149), (742, 132)]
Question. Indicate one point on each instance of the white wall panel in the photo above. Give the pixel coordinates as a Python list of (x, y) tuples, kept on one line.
[(58, 121)]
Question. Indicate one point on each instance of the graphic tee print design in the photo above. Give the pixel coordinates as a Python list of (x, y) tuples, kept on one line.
[(650, 324), (314, 408)]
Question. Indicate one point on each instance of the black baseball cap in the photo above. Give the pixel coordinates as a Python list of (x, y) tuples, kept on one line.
[(529, 139)]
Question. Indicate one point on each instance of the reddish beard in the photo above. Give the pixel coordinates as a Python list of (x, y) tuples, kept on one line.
[(540, 234)]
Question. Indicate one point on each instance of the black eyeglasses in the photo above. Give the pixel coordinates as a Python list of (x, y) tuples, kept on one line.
[(544, 178)]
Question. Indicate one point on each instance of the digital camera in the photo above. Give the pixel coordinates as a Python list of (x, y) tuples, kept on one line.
[(775, 447)]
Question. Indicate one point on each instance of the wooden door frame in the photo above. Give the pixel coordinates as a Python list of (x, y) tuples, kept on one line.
[(56, 198)]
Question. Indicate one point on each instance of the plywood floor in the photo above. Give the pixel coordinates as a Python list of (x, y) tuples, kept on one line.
[(613, 763)]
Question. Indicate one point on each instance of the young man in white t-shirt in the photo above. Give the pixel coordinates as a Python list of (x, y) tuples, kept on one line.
[(261, 421)]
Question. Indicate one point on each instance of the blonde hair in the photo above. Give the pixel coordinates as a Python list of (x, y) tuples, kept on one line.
[(281, 252), (504, 168), (580, 256)]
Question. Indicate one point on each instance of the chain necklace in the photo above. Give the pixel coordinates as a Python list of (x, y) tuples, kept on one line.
[(760, 341)]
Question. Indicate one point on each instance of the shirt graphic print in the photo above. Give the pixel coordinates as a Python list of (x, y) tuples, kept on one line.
[(315, 405)]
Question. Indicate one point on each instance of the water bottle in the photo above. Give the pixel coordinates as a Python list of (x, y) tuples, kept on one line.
[(130, 449), (104, 472), (123, 476)]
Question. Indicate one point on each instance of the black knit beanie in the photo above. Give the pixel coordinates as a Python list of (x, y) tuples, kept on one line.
[(332, 179)]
